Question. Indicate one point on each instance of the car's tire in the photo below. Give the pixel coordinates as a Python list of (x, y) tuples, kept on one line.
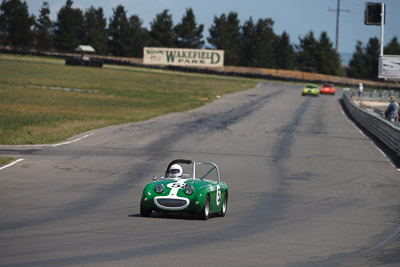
[(143, 211), (205, 211), (224, 206)]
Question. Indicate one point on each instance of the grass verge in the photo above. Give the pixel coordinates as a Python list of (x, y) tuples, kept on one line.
[(43, 101), (5, 160)]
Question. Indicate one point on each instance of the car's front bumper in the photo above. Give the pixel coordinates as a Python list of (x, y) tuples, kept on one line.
[(169, 203)]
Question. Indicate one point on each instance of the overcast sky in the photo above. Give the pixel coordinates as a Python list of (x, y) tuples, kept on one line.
[(296, 17)]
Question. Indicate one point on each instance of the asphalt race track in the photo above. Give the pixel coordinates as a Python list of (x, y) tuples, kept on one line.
[(307, 188)]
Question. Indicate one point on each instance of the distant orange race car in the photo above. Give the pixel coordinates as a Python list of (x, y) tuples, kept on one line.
[(327, 88)]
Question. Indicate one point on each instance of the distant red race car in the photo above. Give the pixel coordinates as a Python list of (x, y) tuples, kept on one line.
[(328, 89)]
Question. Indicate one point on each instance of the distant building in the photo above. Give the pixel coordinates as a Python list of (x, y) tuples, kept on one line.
[(84, 59)]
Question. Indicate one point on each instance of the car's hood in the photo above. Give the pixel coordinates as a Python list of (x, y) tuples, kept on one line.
[(182, 182)]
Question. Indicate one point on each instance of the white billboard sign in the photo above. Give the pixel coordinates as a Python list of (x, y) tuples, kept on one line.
[(389, 67), (183, 57)]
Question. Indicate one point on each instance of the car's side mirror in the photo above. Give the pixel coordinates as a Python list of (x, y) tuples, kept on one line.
[(154, 178)]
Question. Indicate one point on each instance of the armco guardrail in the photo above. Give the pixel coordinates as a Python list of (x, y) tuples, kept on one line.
[(387, 132)]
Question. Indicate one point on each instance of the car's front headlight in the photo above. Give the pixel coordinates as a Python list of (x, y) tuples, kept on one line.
[(159, 188), (188, 190)]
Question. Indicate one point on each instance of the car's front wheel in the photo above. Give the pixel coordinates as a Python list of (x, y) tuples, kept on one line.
[(224, 206), (205, 212), (144, 211)]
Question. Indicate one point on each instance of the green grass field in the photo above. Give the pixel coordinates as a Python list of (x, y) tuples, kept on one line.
[(43, 101), (5, 160)]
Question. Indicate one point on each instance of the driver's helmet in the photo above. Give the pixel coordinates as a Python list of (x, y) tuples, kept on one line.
[(175, 171)]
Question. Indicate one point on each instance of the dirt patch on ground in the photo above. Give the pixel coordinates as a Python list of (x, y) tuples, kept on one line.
[(370, 104)]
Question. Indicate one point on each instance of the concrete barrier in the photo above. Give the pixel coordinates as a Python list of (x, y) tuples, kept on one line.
[(388, 133), (380, 95)]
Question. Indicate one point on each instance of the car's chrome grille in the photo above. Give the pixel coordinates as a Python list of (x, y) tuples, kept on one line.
[(171, 202)]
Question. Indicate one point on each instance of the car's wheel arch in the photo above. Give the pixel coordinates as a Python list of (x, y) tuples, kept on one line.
[(224, 205), (205, 210), (145, 212)]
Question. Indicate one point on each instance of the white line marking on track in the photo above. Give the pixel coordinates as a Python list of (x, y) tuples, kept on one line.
[(73, 141), (12, 163)]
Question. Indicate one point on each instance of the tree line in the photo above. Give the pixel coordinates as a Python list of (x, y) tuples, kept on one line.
[(251, 44)]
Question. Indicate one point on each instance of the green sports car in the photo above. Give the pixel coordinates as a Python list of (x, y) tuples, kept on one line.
[(177, 192), (310, 89)]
